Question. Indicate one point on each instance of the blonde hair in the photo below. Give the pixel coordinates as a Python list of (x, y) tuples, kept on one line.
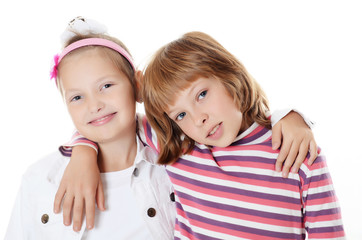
[(116, 58), (174, 67)]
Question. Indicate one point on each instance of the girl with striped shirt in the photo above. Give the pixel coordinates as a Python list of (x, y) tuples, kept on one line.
[(213, 129), (211, 126)]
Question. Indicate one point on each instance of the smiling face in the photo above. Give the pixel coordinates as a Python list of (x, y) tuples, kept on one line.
[(207, 113), (99, 97)]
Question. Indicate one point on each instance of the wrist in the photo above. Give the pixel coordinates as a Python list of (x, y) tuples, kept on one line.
[(84, 153)]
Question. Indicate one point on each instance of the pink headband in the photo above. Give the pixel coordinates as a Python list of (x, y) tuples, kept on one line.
[(89, 42)]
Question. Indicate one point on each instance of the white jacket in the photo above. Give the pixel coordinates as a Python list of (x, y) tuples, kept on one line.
[(33, 216)]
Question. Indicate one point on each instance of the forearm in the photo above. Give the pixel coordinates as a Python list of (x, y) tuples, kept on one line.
[(77, 140)]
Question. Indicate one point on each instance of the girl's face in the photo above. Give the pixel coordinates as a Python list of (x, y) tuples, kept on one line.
[(206, 112), (99, 97)]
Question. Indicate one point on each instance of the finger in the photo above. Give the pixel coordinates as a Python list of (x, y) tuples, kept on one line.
[(302, 154), (282, 155), (276, 136), (100, 197), (58, 199), (67, 208), (313, 150), (78, 213), (90, 211), (292, 155)]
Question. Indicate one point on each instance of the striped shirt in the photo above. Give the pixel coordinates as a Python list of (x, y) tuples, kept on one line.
[(235, 193)]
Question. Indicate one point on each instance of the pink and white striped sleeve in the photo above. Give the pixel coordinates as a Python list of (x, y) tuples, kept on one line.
[(76, 140), (322, 214), (146, 133)]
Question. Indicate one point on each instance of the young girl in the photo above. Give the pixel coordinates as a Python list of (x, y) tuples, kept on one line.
[(213, 130), (97, 80), (151, 140)]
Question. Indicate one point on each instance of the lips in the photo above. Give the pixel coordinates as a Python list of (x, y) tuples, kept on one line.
[(102, 120), (214, 131)]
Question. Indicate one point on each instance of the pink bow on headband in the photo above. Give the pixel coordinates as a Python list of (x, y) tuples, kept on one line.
[(54, 69)]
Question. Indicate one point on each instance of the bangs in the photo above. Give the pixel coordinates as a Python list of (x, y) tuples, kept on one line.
[(163, 84)]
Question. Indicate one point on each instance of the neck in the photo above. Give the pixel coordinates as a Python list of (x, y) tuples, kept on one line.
[(245, 124), (118, 154)]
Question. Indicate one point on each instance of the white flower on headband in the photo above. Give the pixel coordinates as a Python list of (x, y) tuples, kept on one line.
[(82, 26)]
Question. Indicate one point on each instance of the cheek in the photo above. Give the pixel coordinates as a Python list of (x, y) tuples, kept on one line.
[(122, 97), (186, 128), (126, 105), (232, 108), (75, 114)]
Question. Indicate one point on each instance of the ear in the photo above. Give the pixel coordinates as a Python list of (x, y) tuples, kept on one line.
[(139, 79)]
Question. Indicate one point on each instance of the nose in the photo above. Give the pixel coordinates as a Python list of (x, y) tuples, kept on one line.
[(95, 105), (201, 118)]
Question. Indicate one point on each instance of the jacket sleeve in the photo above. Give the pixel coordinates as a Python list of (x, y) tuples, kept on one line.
[(280, 113), (15, 226)]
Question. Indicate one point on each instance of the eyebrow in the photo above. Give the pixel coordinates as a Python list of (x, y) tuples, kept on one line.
[(170, 113)]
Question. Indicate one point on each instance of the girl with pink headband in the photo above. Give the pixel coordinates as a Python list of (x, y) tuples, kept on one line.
[(100, 89), (76, 181), (99, 85)]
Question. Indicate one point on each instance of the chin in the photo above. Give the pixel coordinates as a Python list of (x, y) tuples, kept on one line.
[(226, 143), (223, 145), (220, 145)]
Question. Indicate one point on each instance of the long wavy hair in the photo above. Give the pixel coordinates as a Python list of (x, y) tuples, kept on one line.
[(174, 67)]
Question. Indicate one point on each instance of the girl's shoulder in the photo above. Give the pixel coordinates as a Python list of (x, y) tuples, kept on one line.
[(48, 168), (145, 132)]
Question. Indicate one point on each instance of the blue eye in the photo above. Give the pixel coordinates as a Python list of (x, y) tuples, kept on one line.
[(202, 94), (76, 98), (180, 116), (108, 85)]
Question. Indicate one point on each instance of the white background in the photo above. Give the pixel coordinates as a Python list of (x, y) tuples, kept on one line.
[(305, 54)]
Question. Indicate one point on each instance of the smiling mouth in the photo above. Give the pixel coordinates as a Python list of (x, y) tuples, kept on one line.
[(214, 130), (99, 120)]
